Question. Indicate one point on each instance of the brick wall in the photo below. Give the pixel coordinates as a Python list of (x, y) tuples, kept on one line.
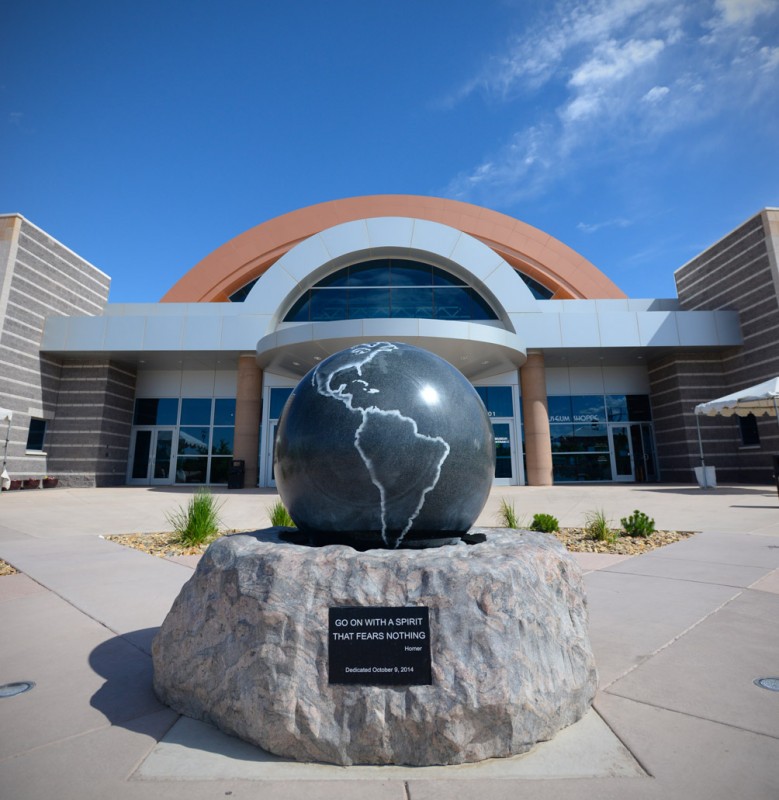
[(38, 277), (738, 272)]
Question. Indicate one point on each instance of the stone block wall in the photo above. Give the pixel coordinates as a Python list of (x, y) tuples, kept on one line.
[(738, 272), (39, 277), (90, 434)]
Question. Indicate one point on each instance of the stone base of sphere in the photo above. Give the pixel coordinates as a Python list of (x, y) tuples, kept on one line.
[(245, 647)]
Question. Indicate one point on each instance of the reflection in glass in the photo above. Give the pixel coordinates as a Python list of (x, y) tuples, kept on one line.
[(417, 291), (193, 441), (369, 303), (222, 442), (328, 304), (191, 469), (163, 452), (502, 433), (412, 303)]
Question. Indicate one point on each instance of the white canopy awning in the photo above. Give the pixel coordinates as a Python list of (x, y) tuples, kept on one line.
[(6, 415), (757, 400)]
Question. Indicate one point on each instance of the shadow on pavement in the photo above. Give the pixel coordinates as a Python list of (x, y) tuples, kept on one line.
[(125, 664)]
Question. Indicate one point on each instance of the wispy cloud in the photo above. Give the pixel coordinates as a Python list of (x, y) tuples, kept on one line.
[(622, 73), (619, 222)]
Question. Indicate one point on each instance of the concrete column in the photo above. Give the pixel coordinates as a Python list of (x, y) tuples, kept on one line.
[(538, 443), (248, 402)]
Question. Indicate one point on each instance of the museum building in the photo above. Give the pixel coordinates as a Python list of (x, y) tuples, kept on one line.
[(581, 382)]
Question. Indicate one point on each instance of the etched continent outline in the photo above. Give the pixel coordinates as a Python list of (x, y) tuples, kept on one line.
[(401, 499)]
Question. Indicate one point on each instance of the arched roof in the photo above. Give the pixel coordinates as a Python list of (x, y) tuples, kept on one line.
[(524, 247)]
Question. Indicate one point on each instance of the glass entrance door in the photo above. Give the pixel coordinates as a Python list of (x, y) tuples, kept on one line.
[(621, 453), (643, 452), (504, 454), (272, 428), (152, 456)]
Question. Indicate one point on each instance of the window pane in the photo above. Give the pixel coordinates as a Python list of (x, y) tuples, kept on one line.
[(193, 441), (301, 311), (750, 436), (617, 407), (559, 408), (140, 468), (196, 411), (328, 304), (277, 399), (588, 408), (370, 273), (35, 434), (220, 469), (443, 278), (224, 411), (410, 273), (412, 303), (639, 409), (479, 308), (222, 442), (591, 437), (340, 278), (369, 303), (452, 303), (581, 467), (156, 411), (191, 470), (497, 400), (561, 436)]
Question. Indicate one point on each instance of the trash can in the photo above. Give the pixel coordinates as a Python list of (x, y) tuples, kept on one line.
[(776, 472), (235, 476)]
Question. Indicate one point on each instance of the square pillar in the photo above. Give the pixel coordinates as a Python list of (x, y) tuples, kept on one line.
[(248, 405)]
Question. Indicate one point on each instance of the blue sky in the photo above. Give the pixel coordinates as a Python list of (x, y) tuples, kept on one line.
[(143, 135)]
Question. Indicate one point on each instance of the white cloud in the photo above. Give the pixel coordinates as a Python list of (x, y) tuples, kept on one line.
[(620, 222), (622, 74), (740, 12), (612, 62), (656, 94)]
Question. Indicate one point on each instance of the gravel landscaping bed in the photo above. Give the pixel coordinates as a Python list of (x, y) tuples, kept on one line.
[(165, 545), (7, 569)]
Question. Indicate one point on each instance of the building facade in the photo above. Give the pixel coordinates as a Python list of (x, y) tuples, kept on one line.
[(581, 382)]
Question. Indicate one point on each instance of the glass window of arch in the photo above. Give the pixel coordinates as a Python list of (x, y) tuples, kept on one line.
[(386, 288)]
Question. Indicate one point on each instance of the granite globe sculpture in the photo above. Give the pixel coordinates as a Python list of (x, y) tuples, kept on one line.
[(384, 445)]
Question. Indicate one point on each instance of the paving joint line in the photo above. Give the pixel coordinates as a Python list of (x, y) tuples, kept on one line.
[(693, 716), (672, 641)]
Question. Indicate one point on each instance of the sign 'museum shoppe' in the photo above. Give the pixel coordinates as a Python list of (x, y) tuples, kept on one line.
[(385, 630)]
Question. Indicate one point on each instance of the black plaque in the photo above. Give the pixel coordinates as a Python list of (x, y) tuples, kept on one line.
[(381, 646)]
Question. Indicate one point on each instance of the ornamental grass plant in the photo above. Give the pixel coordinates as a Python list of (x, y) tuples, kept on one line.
[(507, 515), (598, 526), (198, 521), (279, 516)]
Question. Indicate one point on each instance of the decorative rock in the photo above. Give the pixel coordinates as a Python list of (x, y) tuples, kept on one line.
[(384, 445), (245, 647)]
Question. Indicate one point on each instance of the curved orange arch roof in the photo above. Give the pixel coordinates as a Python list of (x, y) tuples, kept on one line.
[(527, 249)]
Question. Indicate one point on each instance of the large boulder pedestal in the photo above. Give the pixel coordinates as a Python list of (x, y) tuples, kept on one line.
[(245, 647)]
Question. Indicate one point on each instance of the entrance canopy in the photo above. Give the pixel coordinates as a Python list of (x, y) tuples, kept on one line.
[(757, 400)]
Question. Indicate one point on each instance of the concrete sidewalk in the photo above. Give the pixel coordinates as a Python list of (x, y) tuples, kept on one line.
[(679, 636)]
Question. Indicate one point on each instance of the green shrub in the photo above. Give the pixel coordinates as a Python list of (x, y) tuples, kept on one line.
[(638, 524), (279, 516), (545, 523), (507, 515), (199, 520), (598, 526)]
